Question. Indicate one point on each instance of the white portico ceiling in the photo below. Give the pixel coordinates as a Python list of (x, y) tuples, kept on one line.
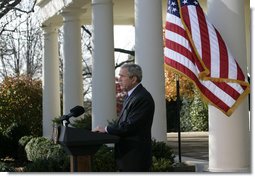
[(123, 10)]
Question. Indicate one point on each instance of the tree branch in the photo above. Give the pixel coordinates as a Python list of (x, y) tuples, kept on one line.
[(6, 6), (130, 52)]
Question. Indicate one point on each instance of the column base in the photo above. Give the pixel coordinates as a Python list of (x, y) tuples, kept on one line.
[(233, 170)]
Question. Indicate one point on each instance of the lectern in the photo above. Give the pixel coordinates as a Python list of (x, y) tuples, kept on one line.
[(81, 143)]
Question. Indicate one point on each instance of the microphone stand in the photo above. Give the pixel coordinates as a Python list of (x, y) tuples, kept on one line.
[(65, 120)]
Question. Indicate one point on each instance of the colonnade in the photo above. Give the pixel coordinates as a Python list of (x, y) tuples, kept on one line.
[(229, 138)]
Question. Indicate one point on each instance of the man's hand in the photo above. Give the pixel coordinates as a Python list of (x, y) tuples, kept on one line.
[(99, 129)]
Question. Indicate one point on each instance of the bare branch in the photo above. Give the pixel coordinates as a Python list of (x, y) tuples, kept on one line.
[(130, 52), (86, 30), (26, 11), (6, 6)]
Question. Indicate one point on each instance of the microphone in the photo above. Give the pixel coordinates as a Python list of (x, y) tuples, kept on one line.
[(74, 112)]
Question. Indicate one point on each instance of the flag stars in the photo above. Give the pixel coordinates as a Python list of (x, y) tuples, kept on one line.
[(173, 3), (174, 10), (184, 2), (189, 2), (195, 2)]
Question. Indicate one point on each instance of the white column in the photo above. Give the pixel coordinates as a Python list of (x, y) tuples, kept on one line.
[(248, 28), (229, 137), (103, 74), (72, 67), (252, 23), (51, 88), (149, 55)]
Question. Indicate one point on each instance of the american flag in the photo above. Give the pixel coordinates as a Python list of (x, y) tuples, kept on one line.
[(195, 48)]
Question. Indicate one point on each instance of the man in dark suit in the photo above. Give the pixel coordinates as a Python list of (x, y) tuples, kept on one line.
[(133, 152)]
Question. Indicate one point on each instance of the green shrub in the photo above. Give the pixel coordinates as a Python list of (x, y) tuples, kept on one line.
[(199, 115), (161, 165), (182, 167), (84, 122), (6, 168), (24, 140), (162, 156), (185, 120), (194, 114), (42, 148), (49, 165), (45, 156), (103, 160), (161, 150), (44, 159), (21, 103), (21, 150), (4, 150), (56, 120), (9, 140), (15, 131)]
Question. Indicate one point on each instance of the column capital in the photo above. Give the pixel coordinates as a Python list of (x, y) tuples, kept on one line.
[(72, 14), (49, 29), (95, 2)]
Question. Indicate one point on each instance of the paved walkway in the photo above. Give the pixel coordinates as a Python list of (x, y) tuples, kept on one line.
[(194, 148)]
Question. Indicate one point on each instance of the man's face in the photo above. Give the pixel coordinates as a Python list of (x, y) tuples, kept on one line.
[(126, 82)]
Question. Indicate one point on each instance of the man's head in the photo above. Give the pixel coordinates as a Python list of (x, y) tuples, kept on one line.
[(129, 76)]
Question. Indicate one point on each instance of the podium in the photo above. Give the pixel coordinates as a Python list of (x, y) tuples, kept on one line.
[(81, 144)]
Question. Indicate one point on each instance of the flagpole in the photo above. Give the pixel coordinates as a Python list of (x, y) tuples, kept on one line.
[(178, 115)]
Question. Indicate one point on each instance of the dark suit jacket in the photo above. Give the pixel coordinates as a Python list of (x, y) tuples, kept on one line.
[(133, 151)]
